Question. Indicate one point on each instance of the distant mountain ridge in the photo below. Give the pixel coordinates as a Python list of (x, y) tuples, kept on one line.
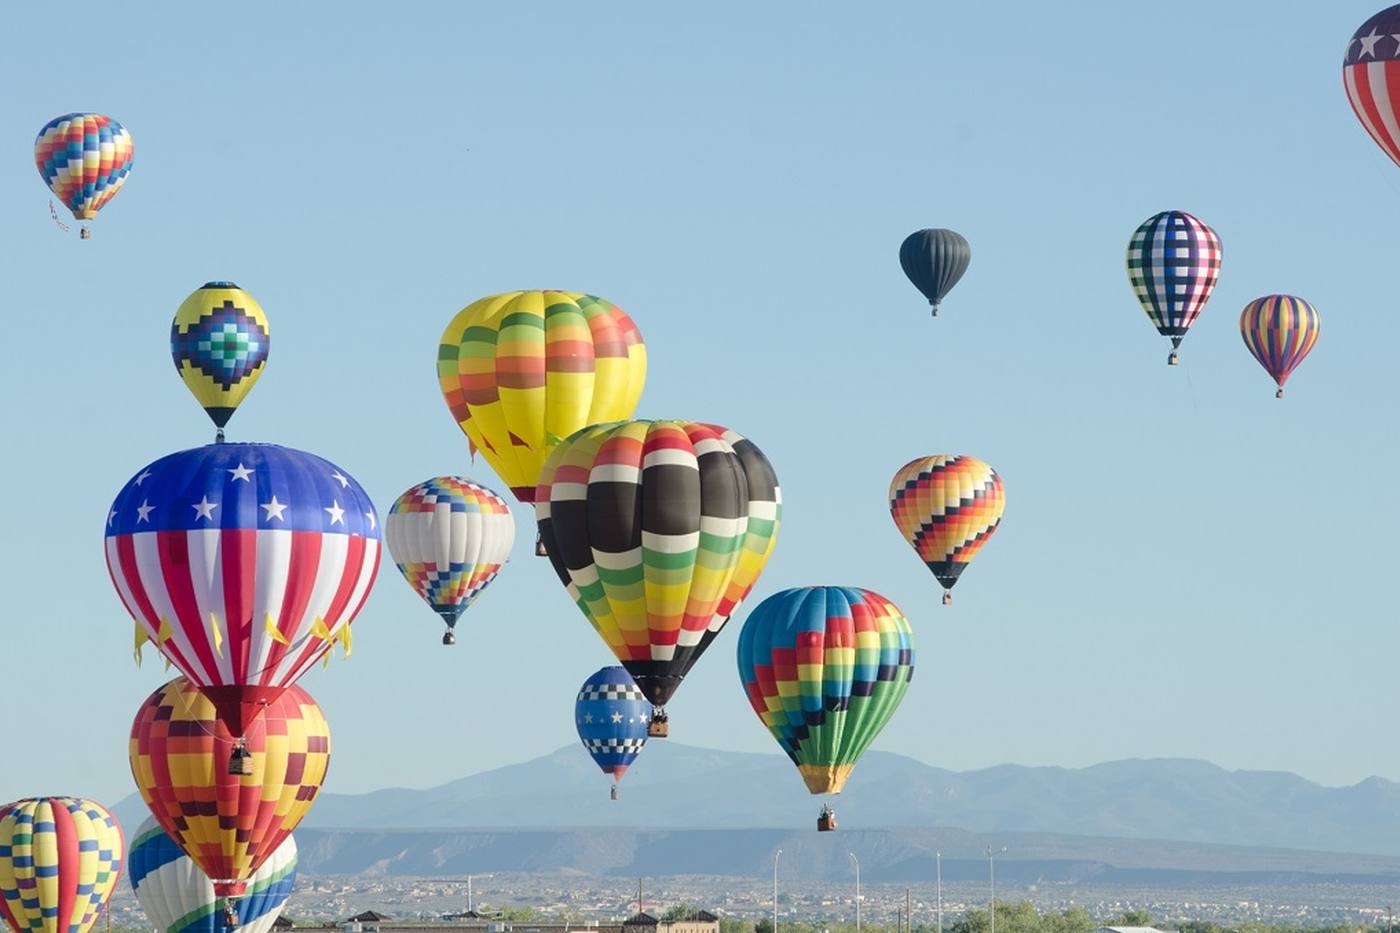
[(674, 786)]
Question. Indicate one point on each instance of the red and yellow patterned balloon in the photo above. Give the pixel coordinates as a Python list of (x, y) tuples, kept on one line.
[(947, 506), (228, 825)]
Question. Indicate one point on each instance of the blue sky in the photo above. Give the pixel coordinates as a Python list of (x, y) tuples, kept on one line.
[(1187, 567)]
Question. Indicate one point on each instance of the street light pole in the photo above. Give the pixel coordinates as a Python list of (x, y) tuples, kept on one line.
[(938, 870), (856, 862), (775, 889), (992, 876)]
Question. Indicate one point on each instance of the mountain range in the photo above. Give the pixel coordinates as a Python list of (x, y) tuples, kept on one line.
[(553, 812)]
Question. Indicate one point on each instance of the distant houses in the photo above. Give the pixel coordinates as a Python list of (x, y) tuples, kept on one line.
[(701, 921)]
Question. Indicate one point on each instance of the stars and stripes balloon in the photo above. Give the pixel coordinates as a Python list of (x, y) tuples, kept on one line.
[(934, 260), (1173, 264), (244, 564), (229, 826), (612, 716), (658, 529), (219, 341), (947, 506), (522, 370), (1371, 78), (60, 858), (1280, 330), (450, 538), (85, 159), (825, 667), (179, 898)]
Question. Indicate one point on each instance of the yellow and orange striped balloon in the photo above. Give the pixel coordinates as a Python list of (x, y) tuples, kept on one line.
[(947, 506), (521, 371)]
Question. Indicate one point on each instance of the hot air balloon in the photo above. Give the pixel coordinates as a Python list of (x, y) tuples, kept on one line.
[(934, 260), (1371, 74), (60, 858), (179, 898), (1280, 331), (1173, 263), (219, 341), (612, 717), (825, 667), (522, 370), (449, 538), (244, 563), (947, 506), (648, 525), (84, 158), (230, 828)]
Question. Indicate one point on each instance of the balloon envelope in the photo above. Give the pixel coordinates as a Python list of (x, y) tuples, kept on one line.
[(825, 667), (1370, 76), (84, 158), (934, 260), (611, 716), (647, 524), (947, 507), (60, 858), (1173, 264), (449, 538), (522, 370), (179, 898), (243, 563), (1280, 330), (219, 341), (229, 825)]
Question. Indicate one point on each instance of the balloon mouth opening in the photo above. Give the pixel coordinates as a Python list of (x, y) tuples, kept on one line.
[(85, 215)]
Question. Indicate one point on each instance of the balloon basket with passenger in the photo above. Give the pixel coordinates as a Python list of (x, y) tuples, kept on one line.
[(660, 725), (826, 820)]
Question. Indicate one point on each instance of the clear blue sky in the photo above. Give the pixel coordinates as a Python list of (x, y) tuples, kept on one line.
[(1187, 567)]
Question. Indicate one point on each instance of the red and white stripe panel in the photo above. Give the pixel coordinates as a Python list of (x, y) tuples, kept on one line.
[(235, 579)]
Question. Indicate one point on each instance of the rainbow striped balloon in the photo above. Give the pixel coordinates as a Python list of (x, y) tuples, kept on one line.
[(523, 370), (84, 158), (60, 858), (658, 529), (947, 506), (825, 667), (1280, 331)]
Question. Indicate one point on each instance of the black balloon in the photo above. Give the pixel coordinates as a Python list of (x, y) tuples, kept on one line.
[(934, 260)]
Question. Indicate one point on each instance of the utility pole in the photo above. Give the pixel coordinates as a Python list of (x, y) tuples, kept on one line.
[(639, 896), (856, 862), (992, 876), (775, 889), (1389, 920), (908, 912), (938, 869)]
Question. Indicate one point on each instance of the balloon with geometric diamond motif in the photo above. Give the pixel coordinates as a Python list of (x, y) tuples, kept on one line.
[(219, 341)]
